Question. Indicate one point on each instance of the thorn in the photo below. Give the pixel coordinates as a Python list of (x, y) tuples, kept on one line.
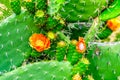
[(108, 63), (21, 38), (26, 27), (18, 50), (63, 9), (30, 75), (53, 77), (6, 54), (93, 56), (39, 68), (83, 2), (79, 16), (97, 68), (94, 2), (45, 73), (74, 5), (61, 69), (11, 42), (17, 78), (16, 21), (17, 30), (0, 34), (114, 72), (24, 19), (64, 78), (8, 33), (102, 78), (2, 46), (11, 61)]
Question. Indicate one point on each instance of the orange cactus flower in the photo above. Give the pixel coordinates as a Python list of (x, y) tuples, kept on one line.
[(39, 42), (81, 46), (114, 23)]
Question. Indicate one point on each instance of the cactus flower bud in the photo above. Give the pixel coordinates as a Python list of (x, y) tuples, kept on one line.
[(81, 46), (77, 77)]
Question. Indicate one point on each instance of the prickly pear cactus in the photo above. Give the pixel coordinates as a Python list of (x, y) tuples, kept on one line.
[(14, 35), (33, 36), (41, 71), (105, 61)]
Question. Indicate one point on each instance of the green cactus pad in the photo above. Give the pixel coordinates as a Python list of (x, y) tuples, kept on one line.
[(112, 11), (14, 40), (105, 61), (51, 70), (81, 10)]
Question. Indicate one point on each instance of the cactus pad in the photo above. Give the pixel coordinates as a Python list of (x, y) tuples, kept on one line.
[(105, 61), (14, 34), (41, 71), (81, 10)]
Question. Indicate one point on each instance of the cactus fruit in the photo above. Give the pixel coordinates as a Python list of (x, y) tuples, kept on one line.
[(51, 23), (81, 67), (14, 36), (41, 4), (30, 5), (81, 45), (105, 61), (72, 55), (16, 6), (61, 51), (82, 10), (51, 70)]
